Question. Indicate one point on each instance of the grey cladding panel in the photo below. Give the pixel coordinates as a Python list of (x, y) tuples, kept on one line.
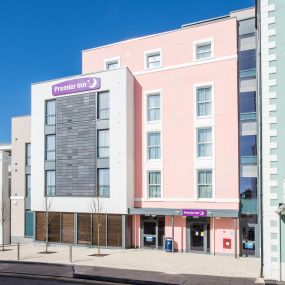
[(76, 145)]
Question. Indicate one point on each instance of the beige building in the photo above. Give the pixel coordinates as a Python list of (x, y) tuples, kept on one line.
[(21, 216), (5, 186)]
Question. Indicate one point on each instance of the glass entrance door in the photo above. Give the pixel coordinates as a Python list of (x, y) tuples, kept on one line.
[(149, 233), (197, 237), (249, 246)]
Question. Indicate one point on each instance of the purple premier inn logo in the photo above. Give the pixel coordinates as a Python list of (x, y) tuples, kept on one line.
[(76, 85), (194, 213)]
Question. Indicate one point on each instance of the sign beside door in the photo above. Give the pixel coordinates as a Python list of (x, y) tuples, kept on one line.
[(194, 213)]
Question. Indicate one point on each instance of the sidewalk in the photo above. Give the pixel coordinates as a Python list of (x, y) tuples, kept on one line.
[(133, 264)]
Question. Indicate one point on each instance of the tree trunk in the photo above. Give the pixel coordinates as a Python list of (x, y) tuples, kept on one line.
[(3, 237), (46, 225)]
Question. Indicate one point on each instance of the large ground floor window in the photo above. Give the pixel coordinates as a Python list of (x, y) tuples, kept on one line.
[(66, 227)]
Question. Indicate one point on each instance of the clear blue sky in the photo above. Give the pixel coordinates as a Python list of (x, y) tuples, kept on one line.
[(42, 40)]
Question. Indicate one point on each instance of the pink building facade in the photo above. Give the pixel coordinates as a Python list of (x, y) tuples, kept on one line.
[(186, 151)]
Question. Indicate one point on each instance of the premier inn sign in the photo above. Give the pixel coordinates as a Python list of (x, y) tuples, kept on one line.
[(76, 85)]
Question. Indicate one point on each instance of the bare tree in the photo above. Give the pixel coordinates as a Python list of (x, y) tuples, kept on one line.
[(96, 208), (4, 218), (48, 218)]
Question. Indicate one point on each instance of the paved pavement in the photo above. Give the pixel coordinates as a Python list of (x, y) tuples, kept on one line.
[(144, 260)]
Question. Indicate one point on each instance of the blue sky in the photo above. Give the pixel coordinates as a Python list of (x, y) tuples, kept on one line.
[(42, 40)]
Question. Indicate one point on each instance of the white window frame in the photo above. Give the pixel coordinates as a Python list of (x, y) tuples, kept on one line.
[(153, 146), (147, 184), (203, 42), (150, 53), (147, 107), (112, 60), (197, 142), (208, 120), (205, 167)]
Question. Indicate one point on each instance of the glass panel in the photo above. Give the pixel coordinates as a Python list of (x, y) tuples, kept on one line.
[(153, 107), (103, 143), (28, 186), (103, 105), (247, 84), (197, 237), (204, 101), (67, 228), (114, 230), (247, 102), (50, 183), (50, 112), (248, 145), (112, 65), (153, 145), (153, 60), (205, 183), (247, 42), (247, 59), (161, 231), (103, 182), (50, 147), (154, 184), (203, 51), (84, 228)]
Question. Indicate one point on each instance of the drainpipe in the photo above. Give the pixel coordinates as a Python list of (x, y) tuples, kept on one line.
[(172, 221)]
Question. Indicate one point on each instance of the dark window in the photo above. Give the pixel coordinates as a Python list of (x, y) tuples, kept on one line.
[(248, 187), (67, 228), (114, 230), (247, 102), (54, 227), (84, 228), (248, 145), (247, 59)]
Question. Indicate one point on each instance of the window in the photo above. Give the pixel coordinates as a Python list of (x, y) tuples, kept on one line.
[(204, 142), (248, 145), (153, 145), (50, 112), (103, 143), (204, 104), (153, 60), (50, 147), (203, 51), (247, 59), (28, 185), (205, 183), (28, 154), (153, 107), (247, 102), (50, 183), (103, 105), (103, 182), (110, 65), (154, 184), (248, 187)]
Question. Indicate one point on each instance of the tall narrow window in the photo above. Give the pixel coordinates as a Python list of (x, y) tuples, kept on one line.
[(204, 51), (103, 182), (154, 184), (103, 143), (153, 60), (28, 185), (204, 104), (153, 107), (103, 105), (205, 183), (50, 112), (28, 154), (204, 142), (153, 145), (50, 147), (50, 183)]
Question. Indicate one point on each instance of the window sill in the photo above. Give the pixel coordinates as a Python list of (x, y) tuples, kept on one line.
[(203, 59), (152, 68)]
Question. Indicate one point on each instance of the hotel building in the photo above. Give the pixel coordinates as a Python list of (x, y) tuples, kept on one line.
[(162, 131)]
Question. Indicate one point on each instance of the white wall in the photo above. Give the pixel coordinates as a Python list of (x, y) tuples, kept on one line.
[(120, 84)]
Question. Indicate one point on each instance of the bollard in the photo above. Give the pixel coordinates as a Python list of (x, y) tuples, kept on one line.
[(18, 251), (70, 253)]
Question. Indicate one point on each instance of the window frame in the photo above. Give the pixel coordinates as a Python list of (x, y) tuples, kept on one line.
[(104, 147), (46, 114), (98, 183), (197, 88), (52, 150), (205, 170), (46, 186), (150, 53), (28, 154), (98, 103), (156, 185), (202, 42), (200, 143), (28, 189), (153, 108), (153, 146), (111, 61)]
